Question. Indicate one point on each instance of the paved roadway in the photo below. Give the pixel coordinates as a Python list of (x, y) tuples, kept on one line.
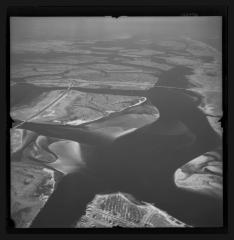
[(47, 106)]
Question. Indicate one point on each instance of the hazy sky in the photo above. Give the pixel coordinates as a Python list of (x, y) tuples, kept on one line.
[(104, 28)]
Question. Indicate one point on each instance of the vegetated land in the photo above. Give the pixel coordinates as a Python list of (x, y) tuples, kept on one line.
[(73, 106), (31, 186), (86, 64)]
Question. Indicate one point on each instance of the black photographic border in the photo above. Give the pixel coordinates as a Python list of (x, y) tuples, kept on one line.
[(87, 8)]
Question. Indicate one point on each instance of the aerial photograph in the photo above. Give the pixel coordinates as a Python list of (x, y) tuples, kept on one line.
[(116, 122)]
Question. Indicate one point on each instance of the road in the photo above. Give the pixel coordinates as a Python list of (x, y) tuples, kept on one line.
[(47, 106), (66, 91), (110, 216)]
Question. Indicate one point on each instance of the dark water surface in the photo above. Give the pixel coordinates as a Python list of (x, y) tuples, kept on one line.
[(141, 163), (176, 77)]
